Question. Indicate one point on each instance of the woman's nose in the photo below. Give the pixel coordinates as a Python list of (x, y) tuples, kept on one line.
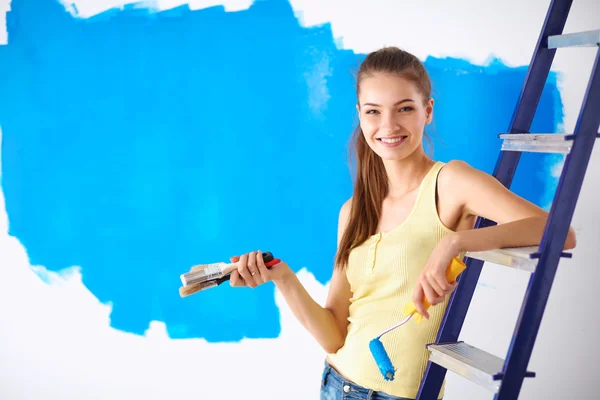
[(388, 121)]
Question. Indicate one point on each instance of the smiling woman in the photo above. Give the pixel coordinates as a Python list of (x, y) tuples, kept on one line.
[(409, 216), (372, 110), (378, 121), (115, 132)]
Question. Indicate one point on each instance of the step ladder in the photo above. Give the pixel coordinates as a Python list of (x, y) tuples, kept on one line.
[(504, 378)]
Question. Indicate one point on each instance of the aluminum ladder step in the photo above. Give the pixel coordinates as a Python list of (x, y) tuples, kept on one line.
[(579, 39), (523, 258), (537, 143), (474, 364)]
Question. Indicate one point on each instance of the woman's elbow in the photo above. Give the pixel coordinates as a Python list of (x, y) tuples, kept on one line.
[(571, 240), (332, 346)]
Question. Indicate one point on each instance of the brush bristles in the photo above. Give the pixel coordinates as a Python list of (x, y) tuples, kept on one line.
[(185, 291), (188, 290)]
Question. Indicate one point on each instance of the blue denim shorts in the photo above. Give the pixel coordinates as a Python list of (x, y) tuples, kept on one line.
[(335, 387)]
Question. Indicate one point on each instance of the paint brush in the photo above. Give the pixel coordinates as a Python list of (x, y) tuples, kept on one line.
[(194, 288), (207, 272)]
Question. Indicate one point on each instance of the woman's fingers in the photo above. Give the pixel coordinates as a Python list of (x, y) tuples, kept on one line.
[(418, 300), (443, 284), (243, 270), (432, 297), (434, 284), (262, 268), (253, 269), (438, 283), (236, 280)]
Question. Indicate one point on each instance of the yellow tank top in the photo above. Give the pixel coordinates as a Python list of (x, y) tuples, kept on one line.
[(382, 273)]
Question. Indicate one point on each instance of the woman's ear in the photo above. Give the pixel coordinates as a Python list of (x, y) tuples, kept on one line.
[(429, 111), (358, 111), (429, 117)]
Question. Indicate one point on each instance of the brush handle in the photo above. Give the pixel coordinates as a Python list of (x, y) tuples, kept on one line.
[(267, 258), (268, 264), (455, 268), (194, 288), (229, 268), (207, 272)]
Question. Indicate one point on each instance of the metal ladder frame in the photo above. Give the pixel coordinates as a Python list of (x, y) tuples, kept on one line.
[(512, 371)]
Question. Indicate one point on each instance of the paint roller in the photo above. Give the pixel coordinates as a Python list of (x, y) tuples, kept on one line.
[(384, 363)]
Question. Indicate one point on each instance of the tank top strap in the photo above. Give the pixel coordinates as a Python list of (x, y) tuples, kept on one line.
[(426, 202)]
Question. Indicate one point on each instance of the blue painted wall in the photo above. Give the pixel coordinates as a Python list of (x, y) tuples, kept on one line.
[(137, 144)]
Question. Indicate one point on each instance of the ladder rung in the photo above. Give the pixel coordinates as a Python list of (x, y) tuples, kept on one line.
[(516, 257), (478, 366), (537, 143), (579, 39), (524, 258)]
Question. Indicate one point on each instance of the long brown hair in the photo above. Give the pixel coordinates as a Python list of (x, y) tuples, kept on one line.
[(371, 181)]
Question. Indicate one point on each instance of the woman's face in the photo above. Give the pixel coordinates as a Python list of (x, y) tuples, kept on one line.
[(393, 115)]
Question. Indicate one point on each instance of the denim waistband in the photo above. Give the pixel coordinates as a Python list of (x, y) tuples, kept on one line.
[(335, 379)]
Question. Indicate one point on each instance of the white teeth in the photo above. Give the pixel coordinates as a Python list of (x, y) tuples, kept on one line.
[(395, 140)]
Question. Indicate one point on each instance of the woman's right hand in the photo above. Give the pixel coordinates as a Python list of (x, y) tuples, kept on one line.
[(252, 271)]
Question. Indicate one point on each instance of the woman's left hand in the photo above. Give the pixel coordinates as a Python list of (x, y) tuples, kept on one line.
[(432, 283)]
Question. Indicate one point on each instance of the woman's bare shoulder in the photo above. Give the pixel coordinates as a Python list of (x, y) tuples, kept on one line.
[(458, 175), (479, 193)]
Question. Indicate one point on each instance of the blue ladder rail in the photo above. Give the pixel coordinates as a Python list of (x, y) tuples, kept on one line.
[(513, 370), (555, 234)]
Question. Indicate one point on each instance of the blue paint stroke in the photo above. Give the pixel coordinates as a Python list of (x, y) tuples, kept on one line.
[(139, 144)]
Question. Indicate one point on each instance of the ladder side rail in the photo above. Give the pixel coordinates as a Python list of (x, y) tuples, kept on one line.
[(504, 171), (555, 234)]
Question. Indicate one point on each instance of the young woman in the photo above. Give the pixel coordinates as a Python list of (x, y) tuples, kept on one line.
[(407, 218)]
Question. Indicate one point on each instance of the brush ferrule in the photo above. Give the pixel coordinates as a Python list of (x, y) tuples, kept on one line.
[(207, 285), (210, 272)]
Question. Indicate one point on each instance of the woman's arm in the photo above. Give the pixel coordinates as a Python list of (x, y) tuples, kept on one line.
[(524, 232), (329, 324), (326, 324), (519, 223)]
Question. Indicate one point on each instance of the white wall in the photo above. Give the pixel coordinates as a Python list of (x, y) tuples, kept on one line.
[(41, 321)]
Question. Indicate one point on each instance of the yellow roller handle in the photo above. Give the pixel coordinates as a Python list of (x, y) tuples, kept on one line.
[(454, 269)]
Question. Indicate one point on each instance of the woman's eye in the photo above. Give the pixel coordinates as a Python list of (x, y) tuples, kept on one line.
[(371, 111), (405, 109)]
